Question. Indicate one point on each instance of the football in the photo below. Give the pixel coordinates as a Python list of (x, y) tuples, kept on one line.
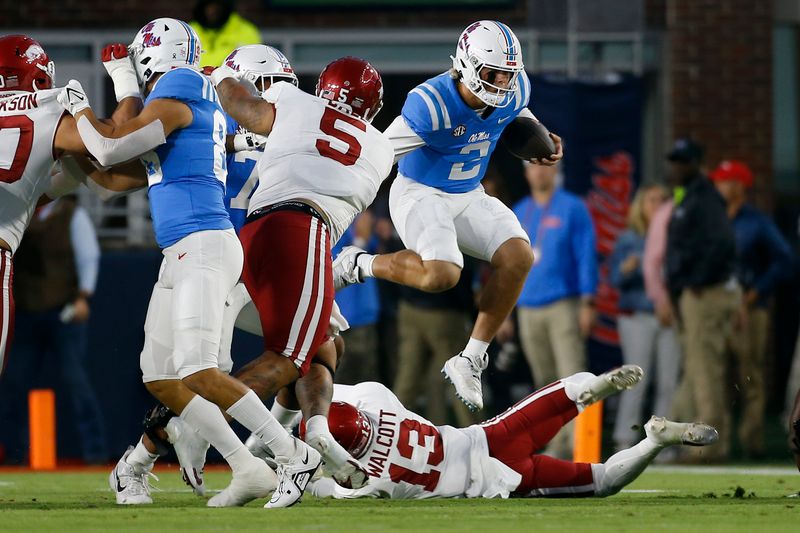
[(528, 139)]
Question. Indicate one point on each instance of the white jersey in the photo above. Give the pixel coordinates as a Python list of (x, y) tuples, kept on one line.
[(28, 123), (318, 153), (410, 458)]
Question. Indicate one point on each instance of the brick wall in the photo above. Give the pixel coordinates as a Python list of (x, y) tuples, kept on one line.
[(135, 13), (721, 80)]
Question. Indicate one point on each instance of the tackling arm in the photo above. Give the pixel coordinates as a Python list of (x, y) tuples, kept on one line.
[(402, 137), (252, 113)]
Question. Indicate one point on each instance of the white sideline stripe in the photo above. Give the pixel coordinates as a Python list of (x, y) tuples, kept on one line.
[(431, 108), (445, 114), (305, 296), (577, 489), (747, 470), (312, 326)]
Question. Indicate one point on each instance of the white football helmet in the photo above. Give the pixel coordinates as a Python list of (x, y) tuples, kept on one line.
[(162, 45), (256, 62), (488, 44)]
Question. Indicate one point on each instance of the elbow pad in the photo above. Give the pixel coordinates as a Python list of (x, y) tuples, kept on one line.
[(109, 152)]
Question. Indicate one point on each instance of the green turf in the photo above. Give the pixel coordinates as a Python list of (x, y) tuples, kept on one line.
[(683, 500)]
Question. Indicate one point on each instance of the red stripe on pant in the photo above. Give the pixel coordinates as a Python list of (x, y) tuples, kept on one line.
[(6, 308), (516, 435), (283, 263)]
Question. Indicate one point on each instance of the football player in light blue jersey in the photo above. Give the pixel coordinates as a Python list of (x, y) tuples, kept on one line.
[(180, 138), (445, 135)]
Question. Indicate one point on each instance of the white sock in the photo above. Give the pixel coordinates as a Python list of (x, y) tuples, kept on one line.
[(623, 467), (141, 459), (317, 425), (476, 349), (207, 420), (253, 414), (364, 263), (288, 418)]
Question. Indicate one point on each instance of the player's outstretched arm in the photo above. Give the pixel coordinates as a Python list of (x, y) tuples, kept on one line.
[(112, 144), (252, 113), (126, 85)]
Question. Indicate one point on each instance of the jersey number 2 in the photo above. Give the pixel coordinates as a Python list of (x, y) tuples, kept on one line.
[(328, 125), (428, 441), (14, 156)]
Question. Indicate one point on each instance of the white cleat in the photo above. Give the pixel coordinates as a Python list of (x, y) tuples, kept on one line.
[(294, 474), (342, 467), (258, 481), (667, 432), (612, 382), (191, 450), (130, 486), (465, 375), (345, 267)]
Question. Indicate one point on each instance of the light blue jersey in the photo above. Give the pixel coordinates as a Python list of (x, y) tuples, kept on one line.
[(242, 179), (458, 142), (187, 174)]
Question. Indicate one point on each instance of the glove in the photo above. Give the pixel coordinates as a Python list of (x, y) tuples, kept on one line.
[(222, 72), (248, 141), (73, 98), (119, 67), (208, 69)]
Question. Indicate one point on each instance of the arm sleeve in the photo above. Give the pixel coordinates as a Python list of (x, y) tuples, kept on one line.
[(402, 137), (780, 258), (655, 248), (583, 246), (183, 84), (109, 152), (86, 250)]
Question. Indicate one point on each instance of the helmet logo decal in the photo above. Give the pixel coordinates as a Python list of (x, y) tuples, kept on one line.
[(33, 53), (148, 40)]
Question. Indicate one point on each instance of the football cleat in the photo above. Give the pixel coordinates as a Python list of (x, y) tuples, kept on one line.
[(342, 467), (667, 432), (257, 481), (611, 382), (191, 450), (294, 474), (345, 267), (130, 486), (465, 375)]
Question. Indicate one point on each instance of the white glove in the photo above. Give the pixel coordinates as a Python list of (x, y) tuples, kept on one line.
[(222, 72), (119, 67), (73, 98), (248, 141)]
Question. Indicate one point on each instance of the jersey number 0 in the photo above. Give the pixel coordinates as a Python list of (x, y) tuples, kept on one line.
[(14, 155)]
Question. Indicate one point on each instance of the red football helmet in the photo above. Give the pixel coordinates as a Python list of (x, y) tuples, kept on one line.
[(353, 85), (349, 426), (24, 65)]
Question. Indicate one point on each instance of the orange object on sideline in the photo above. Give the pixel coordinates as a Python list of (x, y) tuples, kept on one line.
[(589, 434), (42, 423)]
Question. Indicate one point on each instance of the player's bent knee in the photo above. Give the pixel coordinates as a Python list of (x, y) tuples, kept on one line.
[(515, 256), (439, 276)]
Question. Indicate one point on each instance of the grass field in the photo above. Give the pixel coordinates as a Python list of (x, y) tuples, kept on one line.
[(663, 499)]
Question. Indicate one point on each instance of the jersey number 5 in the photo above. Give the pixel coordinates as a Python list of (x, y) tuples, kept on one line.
[(424, 439), (14, 155), (328, 125)]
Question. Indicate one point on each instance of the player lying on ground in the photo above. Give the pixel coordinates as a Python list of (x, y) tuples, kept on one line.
[(445, 136), (409, 457)]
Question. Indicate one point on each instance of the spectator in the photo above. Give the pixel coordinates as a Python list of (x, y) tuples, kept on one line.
[(763, 259), (57, 265), (700, 258), (555, 311), (645, 341), (360, 306), (221, 30), (430, 328)]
